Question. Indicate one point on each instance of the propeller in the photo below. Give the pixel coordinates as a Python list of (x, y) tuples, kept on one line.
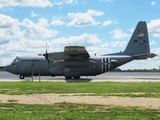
[(46, 54)]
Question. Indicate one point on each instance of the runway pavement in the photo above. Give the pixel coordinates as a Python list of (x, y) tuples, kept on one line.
[(109, 76)]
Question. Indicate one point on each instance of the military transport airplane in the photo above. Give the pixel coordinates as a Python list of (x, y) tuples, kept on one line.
[(76, 62)]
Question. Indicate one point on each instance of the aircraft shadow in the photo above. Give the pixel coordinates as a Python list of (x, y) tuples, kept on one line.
[(78, 80)]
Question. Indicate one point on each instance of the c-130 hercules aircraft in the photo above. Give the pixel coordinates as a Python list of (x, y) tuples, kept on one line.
[(76, 62)]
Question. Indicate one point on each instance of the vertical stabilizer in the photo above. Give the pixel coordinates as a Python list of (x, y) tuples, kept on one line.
[(139, 42)]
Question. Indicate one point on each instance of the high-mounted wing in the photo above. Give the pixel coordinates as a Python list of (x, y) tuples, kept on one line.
[(76, 51), (69, 52)]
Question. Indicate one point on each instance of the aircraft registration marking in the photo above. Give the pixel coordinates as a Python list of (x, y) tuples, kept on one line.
[(140, 41)]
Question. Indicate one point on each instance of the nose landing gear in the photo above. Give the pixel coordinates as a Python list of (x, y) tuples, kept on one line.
[(21, 76)]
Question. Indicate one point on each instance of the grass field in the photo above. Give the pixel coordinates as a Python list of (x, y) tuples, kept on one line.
[(149, 89), (70, 111)]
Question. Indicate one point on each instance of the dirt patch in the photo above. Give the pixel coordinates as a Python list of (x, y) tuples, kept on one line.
[(152, 103)]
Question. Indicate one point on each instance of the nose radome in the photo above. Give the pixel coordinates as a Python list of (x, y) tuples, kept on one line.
[(7, 68)]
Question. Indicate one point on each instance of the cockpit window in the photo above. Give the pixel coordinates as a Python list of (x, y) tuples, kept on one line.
[(16, 60)]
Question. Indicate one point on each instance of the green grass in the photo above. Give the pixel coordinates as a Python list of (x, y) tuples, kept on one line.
[(149, 89), (71, 111)]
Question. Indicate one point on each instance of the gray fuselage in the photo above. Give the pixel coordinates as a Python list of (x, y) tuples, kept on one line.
[(26, 66)]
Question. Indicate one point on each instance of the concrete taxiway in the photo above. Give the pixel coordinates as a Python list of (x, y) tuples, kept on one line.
[(109, 76)]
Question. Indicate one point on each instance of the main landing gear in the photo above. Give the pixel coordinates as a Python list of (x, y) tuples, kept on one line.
[(21, 76)]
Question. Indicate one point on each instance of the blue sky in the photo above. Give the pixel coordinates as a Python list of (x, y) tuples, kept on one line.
[(102, 26)]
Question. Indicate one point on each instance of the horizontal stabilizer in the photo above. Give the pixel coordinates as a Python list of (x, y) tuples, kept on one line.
[(144, 56)]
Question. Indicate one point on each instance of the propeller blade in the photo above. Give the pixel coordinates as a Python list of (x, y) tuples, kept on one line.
[(46, 54)]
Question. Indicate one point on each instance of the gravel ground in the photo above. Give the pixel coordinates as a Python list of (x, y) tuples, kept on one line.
[(152, 103)]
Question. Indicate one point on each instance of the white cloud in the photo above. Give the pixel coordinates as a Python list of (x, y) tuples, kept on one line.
[(9, 28), (7, 21), (29, 47), (106, 44), (70, 1), (156, 35), (141, 64), (92, 43), (152, 42), (37, 30), (118, 43), (33, 14), (58, 3), (35, 3), (23, 47), (152, 3), (57, 22), (65, 2), (108, 22), (94, 13), (84, 19), (156, 50), (92, 50), (28, 40), (154, 27), (84, 39), (43, 22), (118, 34), (132, 30)]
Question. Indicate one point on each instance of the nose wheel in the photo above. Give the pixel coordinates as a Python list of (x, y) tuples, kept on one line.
[(21, 76)]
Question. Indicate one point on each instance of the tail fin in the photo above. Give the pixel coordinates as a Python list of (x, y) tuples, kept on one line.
[(138, 46), (139, 42)]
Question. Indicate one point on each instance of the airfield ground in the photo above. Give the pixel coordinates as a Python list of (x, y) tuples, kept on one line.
[(138, 94), (151, 103)]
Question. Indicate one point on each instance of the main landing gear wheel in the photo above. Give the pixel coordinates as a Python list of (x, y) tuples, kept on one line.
[(21, 76), (68, 77)]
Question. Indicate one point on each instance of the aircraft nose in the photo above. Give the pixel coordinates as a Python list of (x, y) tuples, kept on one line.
[(7, 68)]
